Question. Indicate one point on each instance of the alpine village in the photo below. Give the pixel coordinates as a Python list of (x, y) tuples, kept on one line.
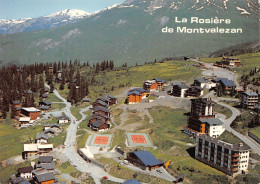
[(191, 120)]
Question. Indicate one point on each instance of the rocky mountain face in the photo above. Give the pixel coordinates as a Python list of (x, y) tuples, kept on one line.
[(132, 32), (53, 20)]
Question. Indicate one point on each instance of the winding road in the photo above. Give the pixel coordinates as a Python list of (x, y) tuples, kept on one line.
[(97, 173), (71, 151), (221, 72)]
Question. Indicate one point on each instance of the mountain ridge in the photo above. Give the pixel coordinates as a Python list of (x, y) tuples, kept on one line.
[(128, 33)]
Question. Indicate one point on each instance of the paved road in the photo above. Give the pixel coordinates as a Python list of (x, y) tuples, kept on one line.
[(235, 112), (164, 174), (71, 151)]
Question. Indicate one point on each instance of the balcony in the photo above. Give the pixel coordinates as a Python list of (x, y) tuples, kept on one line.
[(235, 159), (235, 155), (235, 164), (235, 169)]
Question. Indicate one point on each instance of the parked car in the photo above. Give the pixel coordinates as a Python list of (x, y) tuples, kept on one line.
[(105, 177), (159, 171)]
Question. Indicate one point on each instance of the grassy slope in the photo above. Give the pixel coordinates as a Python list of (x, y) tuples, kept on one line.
[(134, 76), (249, 62), (223, 110), (172, 144)]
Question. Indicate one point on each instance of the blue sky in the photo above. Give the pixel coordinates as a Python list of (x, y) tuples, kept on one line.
[(15, 9)]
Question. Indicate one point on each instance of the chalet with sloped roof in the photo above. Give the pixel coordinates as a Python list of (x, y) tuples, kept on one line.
[(144, 160)]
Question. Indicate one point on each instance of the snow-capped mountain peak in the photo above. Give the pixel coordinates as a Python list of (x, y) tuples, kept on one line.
[(72, 13), (30, 24)]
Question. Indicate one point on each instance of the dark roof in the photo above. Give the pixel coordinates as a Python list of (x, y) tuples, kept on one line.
[(212, 121), (147, 158), (16, 102), (160, 80), (45, 159), (226, 82), (25, 169), (44, 95), (96, 115), (49, 130), (16, 180), (25, 182), (100, 108), (45, 177), (48, 166), (41, 136), (251, 93), (134, 93), (97, 124), (45, 107), (101, 103), (193, 88), (85, 99), (234, 147), (18, 108), (28, 91), (64, 118), (180, 84), (201, 80), (46, 102), (139, 89), (39, 171), (131, 181), (104, 98), (111, 97)]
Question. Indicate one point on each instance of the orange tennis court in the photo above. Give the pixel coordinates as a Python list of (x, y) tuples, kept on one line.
[(138, 139), (101, 140)]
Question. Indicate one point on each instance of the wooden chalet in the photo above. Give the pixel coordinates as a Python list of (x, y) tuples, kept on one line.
[(50, 69), (18, 109), (113, 100), (46, 178), (16, 103), (201, 82), (100, 103), (17, 180), (136, 95), (31, 112), (44, 96), (85, 100), (45, 159), (228, 62), (25, 172), (45, 103), (100, 117), (27, 92), (50, 132), (178, 89), (194, 91), (227, 86), (41, 138), (64, 119), (144, 160), (44, 108), (99, 125), (101, 110), (155, 84), (32, 151), (109, 99)]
